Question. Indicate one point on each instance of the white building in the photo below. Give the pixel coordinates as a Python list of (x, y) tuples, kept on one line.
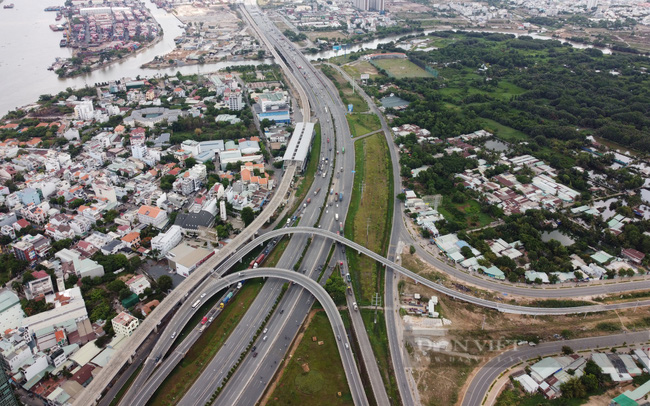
[(40, 286), (11, 313), (14, 354), (84, 110), (184, 259), (69, 306), (34, 367), (72, 262), (124, 324), (152, 215), (138, 284), (233, 99), (166, 241)]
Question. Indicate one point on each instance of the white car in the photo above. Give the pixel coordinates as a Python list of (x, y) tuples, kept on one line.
[(203, 295)]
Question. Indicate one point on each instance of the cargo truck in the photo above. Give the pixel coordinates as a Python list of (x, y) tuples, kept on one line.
[(354, 305), (225, 300)]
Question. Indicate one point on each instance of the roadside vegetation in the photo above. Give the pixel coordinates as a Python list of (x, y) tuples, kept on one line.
[(346, 92), (362, 124), (370, 214)]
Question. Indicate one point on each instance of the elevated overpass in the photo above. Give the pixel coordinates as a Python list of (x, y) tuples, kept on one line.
[(502, 307), (92, 393), (351, 372)]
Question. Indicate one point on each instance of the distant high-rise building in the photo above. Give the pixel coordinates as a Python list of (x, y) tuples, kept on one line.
[(592, 3), (370, 5), (7, 397)]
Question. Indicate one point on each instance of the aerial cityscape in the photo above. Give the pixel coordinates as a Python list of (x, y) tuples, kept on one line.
[(364, 202)]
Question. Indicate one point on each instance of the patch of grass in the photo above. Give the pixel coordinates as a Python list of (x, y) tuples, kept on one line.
[(550, 303), (608, 326), (356, 68), (502, 131), (362, 124), (468, 213), (512, 397), (401, 68), (379, 343), (326, 377), (310, 171), (370, 213), (346, 92), (277, 252), (335, 35), (208, 344)]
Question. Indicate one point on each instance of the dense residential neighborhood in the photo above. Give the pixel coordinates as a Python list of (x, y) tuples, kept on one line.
[(118, 192)]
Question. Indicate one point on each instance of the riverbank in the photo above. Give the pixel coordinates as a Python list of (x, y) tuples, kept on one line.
[(99, 64)]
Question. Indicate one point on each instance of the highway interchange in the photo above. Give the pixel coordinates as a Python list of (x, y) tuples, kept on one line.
[(253, 375), (299, 302)]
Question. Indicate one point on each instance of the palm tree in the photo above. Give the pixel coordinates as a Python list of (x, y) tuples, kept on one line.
[(17, 286)]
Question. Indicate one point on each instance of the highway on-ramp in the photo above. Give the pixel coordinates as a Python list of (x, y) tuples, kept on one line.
[(496, 305), (347, 358)]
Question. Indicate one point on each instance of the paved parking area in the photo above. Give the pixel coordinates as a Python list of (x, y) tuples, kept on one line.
[(156, 269)]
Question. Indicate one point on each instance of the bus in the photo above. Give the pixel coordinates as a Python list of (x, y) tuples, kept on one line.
[(196, 304)]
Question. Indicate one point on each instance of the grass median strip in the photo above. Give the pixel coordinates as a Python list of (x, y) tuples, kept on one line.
[(362, 124), (314, 375), (369, 216), (183, 376)]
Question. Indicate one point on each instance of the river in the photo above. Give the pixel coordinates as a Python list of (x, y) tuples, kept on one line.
[(374, 43), (29, 47)]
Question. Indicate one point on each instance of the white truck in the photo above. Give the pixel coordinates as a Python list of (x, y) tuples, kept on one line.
[(354, 306), (336, 216)]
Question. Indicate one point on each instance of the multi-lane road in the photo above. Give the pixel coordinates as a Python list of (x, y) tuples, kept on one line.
[(296, 302), (352, 373), (318, 94)]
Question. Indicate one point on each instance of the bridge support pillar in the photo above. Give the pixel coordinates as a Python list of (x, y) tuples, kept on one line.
[(131, 358), (155, 329)]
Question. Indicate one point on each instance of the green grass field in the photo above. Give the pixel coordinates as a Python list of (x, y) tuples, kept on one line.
[(356, 68), (503, 131), (319, 386), (370, 213), (401, 68), (362, 124), (470, 213), (347, 94), (197, 358)]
